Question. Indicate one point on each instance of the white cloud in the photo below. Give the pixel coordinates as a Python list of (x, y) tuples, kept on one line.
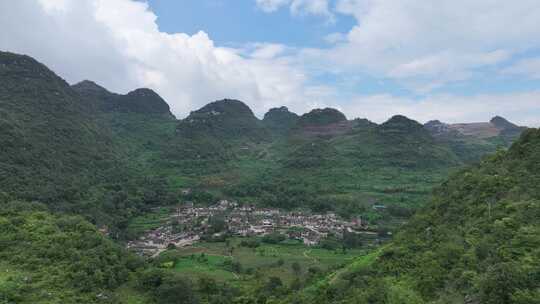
[(441, 41), (529, 67), (266, 50), (299, 7), (335, 38), (117, 43), (312, 7), (270, 6), (521, 108)]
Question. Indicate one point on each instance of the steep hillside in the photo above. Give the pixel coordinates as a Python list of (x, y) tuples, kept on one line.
[(140, 123), (320, 117), (46, 136), (142, 101), (56, 151), (477, 241), (322, 122), (280, 120), (470, 141), (212, 138), (395, 163), (223, 120), (508, 131), (47, 258), (406, 143), (84, 149)]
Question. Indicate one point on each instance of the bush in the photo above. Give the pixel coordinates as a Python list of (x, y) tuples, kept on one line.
[(250, 243), (175, 290), (274, 238)]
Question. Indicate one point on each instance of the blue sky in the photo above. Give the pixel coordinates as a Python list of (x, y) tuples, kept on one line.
[(244, 22), (456, 61)]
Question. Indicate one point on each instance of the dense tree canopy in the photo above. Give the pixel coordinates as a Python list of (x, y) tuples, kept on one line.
[(477, 241)]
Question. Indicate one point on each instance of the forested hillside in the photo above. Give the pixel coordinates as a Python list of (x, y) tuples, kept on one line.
[(91, 161), (58, 150), (49, 258), (107, 156), (477, 241)]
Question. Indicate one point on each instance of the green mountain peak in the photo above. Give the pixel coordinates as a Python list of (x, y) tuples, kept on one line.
[(321, 117), (223, 119), (280, 120), (142, 101)]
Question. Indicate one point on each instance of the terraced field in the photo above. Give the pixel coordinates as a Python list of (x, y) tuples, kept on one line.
[(230, 262)]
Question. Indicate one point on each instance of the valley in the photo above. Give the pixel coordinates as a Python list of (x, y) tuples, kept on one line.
[(109, 198), (189, 225)]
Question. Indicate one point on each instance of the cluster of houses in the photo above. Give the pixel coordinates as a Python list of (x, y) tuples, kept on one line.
[(190, 223)]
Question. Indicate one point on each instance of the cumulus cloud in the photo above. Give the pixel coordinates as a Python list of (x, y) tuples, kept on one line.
[(521, 108), (299, 7), (444, 41), (118, 44), (270, 6), (266, 50), (335, 38), (529, 67)]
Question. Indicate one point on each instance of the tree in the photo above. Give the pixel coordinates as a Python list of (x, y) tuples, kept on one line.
[(274, 238), (296, 284), (273, 284), (207, 285), (150, 279), (501, 281), (217, 224), (296, 268), (175, 290), (351, 240)]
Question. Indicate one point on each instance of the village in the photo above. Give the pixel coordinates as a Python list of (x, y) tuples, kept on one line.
[(190, 224)]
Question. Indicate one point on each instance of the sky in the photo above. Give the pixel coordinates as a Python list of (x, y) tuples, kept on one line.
[(451, 60)]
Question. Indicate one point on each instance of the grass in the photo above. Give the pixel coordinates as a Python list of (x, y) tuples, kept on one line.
[(356, 264), (262, 262), (129, 295), (212, 266), (148, 221)]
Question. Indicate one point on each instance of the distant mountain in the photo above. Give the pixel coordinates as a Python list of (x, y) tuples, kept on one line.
[(405, 142), (323, 122), (82, 145), (216, 134), (400, 124), (509, 132), (470, 141), (322, 117), (224, 120), (46, 135), (280, 120), (502, 124), (482, 130), (143, 101), (437, 128), (58, 149)]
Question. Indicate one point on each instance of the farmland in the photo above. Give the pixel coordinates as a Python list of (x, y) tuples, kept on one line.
[(240, 265)]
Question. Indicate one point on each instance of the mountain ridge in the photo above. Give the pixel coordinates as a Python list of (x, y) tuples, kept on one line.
[(223, 146), (280, 120), (472, 243), (142, 100)]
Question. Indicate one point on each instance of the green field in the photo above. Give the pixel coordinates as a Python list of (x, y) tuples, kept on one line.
[(149, 221), (214, 260)]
